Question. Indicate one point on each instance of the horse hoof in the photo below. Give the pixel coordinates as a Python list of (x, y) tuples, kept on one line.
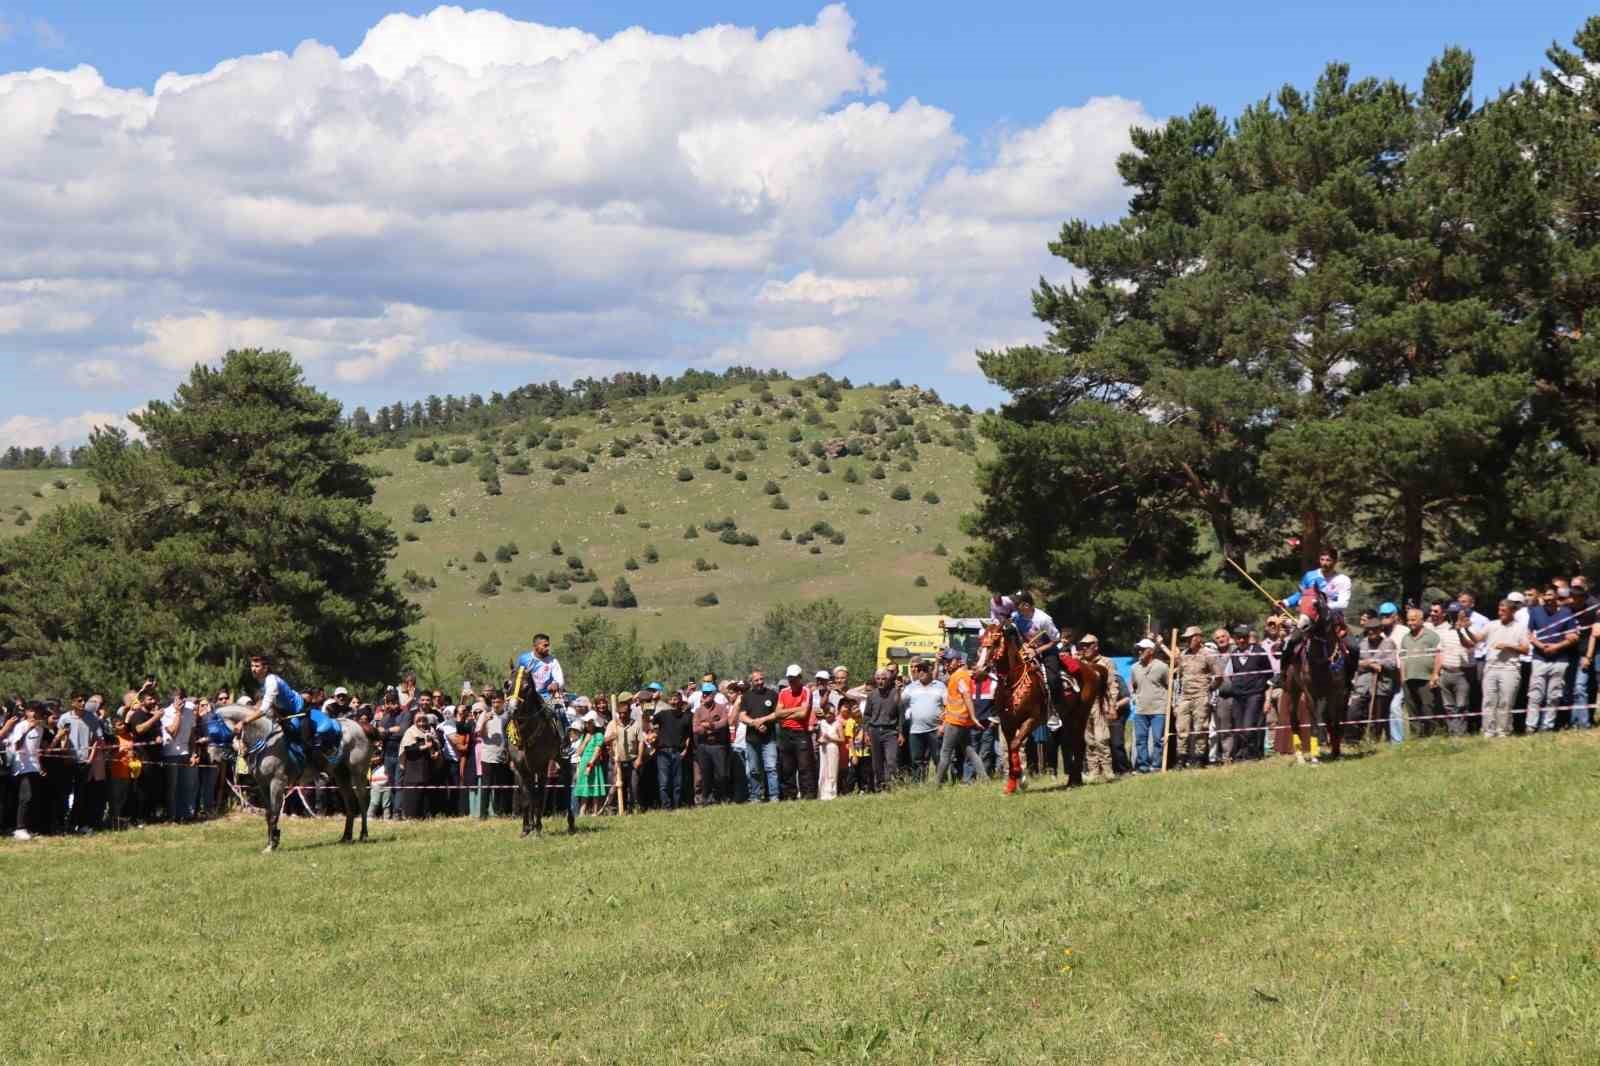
[(1011, 786)]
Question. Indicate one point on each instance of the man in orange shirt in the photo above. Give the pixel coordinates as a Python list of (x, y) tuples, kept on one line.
[(960, 725)]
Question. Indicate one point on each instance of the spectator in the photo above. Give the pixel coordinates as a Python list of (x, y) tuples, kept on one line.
[(1505, 641), (881, 716), (1228, 738), (74, 742), (797, 763), (1553, 633), (419, 745), (1106, 715), (1197, 673), (758, 712), (623, 736), (1456, 643), (145, 723), (1419, 669), (923, 702), (494, 773), (960, 722), (589, 783), (177, 723), (830, 745), (1376, 674), (24, 740), (119, 772), (670, 731), (712, 736), (1150, 678), (1476, 624), (1252, 669), (391, 724), (1579, 685)]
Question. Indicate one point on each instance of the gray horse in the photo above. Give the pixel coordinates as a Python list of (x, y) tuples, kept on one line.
[(274, 775)]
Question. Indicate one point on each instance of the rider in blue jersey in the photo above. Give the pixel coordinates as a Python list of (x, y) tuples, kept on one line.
[(279, 700)]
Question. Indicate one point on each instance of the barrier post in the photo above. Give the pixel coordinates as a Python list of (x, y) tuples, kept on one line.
[(1166, 718)]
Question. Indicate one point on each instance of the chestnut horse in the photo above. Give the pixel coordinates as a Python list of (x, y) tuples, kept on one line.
[(1308, 683), (1022, 701)]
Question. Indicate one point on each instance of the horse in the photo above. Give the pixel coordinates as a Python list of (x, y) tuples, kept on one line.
[(267, 752), (538, 744), (1023, 701), (1308, 681)]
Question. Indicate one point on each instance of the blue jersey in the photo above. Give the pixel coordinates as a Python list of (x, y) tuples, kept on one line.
[(542, 672), (280, 698), (1313, 580)]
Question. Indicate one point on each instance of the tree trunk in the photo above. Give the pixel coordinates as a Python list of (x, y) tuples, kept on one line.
[(1411, 547), (1311, 534)]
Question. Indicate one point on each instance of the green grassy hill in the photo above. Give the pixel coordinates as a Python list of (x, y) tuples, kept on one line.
[(627, 458), (886, 544), (1428, 904)]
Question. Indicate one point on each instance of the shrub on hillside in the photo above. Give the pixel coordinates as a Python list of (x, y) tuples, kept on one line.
[(851, 476), (900, 492), (460, 455), (479, 557), (708, 600), (598, 598), (921, 582), (701, 566), (421, 513), (622, 594), (771, 488), (691, 533), (620, 508), (502, 554), (930, 497), (685, 474), (940, 549), (574, 562), (822, 497), (567, 598), (410, 537), (518, 466), (424, 453), (879, 473), (630, 563), (779, 503)]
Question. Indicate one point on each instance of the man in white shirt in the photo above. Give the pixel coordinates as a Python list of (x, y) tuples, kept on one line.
[(1505, 641), (177, 722)]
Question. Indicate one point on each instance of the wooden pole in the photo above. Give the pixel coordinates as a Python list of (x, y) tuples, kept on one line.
[(1166, 718), (1276, 608)]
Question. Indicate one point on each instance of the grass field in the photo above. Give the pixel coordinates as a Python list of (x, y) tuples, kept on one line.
[(1429, 904)]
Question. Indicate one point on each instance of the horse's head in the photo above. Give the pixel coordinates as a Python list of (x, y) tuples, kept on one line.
[(991, 646)]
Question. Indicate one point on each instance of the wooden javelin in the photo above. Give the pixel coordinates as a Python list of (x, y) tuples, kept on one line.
[(1166, 717), (1277, 604)]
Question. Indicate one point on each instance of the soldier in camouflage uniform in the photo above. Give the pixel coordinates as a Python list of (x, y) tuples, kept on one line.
[(1198, 670), (1105, 716)]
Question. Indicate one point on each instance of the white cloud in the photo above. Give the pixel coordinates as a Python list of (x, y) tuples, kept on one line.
[(32, 431), (465, 189), (800, 348)]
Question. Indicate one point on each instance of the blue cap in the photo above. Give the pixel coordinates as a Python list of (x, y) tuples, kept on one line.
[(706, 686), (1388, 608), (654, 686)]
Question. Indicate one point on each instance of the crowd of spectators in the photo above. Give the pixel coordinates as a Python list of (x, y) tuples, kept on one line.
[(1447, 668)]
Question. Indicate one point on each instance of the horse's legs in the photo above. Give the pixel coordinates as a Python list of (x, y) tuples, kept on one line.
[(569, 781), (347, 798), (276, 789)]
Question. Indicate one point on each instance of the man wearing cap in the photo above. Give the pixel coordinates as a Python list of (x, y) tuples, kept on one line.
[(1149, 680), (797, 760), (1198, 673), (758, 711), (339, 706), (1106, 715), (1553, 632), (1250, 668), (1038, 631), (960, 721), (1505, 641), (712, 737), (1376, 675)]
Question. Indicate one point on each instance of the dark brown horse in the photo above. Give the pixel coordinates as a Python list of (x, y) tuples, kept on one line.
[(1308, 682), (1022, 701), (532, 744)]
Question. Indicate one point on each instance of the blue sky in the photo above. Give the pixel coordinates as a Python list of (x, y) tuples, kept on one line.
[(468, 204)]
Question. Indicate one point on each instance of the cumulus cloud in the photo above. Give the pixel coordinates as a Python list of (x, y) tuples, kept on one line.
[(32, 431), (465, 189)]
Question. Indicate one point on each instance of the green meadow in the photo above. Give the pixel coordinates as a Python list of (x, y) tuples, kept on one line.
[(1428, 904)]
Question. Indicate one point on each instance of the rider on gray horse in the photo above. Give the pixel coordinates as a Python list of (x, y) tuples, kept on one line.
[(280, 701)]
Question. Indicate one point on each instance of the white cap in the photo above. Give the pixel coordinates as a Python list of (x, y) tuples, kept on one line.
[(341, 691), (1146, 644), (823, 675), (793, 670), (1516, 597)]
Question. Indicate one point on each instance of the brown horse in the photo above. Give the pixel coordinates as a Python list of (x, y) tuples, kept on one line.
[(538, 743), (1022, 701), (1308, 684)]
